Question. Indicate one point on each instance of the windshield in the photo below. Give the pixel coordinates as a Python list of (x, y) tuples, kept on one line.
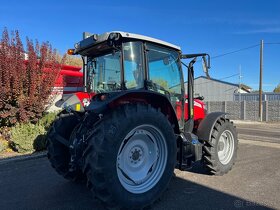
[(104, 73)]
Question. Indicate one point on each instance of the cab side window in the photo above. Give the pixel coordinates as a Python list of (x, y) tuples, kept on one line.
[(133, 65), (164, 70)]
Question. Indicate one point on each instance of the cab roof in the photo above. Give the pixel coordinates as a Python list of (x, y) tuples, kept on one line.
[(93, 39), (146, 38)]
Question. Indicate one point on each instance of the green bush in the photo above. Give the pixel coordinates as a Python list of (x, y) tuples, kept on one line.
[(30, 137), (3, 145), (47, 119), (23, 135)]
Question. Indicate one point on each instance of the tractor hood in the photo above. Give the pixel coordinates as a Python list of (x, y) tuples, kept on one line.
[(70, 102)]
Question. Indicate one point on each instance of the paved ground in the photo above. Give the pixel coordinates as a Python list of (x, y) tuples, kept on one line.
[(254, 182), (267, 132)]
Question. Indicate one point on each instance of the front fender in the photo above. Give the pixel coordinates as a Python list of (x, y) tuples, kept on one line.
[(206, 126)]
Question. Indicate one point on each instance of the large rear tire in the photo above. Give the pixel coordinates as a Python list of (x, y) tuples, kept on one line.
[(131, 156), (58, 154), (221, 151)]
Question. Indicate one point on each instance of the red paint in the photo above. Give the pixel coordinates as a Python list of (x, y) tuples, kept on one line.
[(84, 95), (199, 110), (70, 79), (71, 73)]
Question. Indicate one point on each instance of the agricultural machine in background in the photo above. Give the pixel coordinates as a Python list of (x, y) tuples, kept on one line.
[(134, 123)]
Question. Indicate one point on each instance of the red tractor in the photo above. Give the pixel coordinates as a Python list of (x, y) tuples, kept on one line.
[(126, 139)]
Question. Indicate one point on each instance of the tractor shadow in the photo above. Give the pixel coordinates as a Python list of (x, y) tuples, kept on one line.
[(198, 168), (184, 194), (33, 184), (181, 194)]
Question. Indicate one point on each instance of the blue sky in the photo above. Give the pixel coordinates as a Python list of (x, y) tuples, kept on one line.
[(215, 27)]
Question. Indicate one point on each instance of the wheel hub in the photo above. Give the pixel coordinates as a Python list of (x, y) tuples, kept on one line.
[(141, 159), (221, 146), (226, 147), (136, 154)]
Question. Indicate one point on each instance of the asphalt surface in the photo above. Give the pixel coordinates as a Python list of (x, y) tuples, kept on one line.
[(259, 132), (254, 182)]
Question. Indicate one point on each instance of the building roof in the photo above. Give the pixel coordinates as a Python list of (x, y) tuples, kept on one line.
[(216, 80), (242, 86)]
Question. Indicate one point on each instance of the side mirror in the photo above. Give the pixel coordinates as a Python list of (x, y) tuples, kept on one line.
[(206, 66)]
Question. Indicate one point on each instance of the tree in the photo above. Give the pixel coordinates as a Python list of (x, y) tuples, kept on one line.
[(71, 60), (277, 89), (26, 85)]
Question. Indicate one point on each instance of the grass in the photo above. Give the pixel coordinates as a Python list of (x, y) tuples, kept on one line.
[(30, 137)]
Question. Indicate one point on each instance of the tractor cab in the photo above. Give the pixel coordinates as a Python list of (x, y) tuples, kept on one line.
[(118, 63)]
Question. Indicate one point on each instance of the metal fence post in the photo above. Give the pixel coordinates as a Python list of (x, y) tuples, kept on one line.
[(265, 107), (243, 108), (208, 106)]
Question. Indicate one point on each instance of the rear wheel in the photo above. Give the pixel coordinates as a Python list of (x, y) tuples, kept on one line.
[(221, 151), (131, 157), (59, 154)]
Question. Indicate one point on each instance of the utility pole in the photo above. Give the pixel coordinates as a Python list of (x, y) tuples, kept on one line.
[(260, 87)]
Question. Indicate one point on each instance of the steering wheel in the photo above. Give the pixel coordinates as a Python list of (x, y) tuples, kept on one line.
[(100, 90)]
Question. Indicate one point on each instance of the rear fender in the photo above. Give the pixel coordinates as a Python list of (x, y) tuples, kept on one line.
[(109, 101), (206, 126)]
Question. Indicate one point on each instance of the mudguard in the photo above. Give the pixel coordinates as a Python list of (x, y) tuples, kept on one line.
[(206, 126), (102, 102)]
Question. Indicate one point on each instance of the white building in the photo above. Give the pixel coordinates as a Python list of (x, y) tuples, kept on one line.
[(216, 90)]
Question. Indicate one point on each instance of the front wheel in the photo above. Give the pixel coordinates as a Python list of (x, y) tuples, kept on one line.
[(131, 157), (221, 150), (58, 154)]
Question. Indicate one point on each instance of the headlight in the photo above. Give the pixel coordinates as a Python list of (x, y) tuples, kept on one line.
[(86, 102)]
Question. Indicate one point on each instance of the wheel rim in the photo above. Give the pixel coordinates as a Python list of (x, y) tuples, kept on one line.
[(141, 159), (225, 147)]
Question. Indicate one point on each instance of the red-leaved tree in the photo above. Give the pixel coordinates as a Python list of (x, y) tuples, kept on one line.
[(26, 78)]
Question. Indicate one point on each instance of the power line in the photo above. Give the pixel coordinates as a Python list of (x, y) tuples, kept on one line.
[(245, 48), (235, 51), (272, 43), (228, 77)]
